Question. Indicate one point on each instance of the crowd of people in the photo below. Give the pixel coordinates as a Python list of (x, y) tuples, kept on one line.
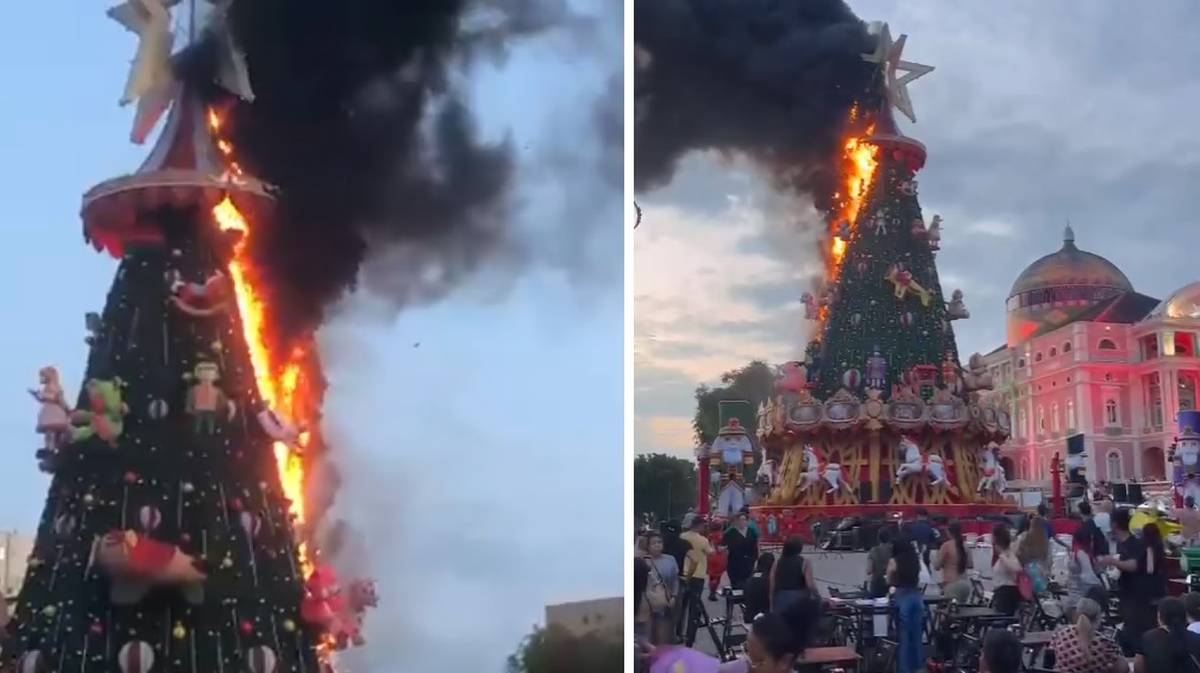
[(782, 602)]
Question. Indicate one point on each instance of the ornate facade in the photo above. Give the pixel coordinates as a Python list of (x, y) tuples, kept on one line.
[(1087, 354)]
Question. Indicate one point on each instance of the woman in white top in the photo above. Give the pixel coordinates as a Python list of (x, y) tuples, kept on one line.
[(1006, 597), (1080, 566)]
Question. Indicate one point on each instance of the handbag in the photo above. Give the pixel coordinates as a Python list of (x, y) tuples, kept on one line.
[(1025, 586)]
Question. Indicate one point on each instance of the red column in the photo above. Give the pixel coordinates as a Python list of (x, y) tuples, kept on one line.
[(702, 506), (1056, 494)]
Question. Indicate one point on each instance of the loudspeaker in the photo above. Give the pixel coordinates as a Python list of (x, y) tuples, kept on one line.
[(1120, 493), (1135, 494)]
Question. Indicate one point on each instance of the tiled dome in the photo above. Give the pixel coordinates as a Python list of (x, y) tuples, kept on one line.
[(1070, 267)]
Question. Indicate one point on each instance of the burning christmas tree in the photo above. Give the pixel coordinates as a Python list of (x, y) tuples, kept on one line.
[(881, 411), (171, 537)]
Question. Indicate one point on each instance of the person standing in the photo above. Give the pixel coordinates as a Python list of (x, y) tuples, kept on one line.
[(1098, 537), (1137, 613), (953, 560), (791, 577), (695, 571), (1189, 522), (1033, 551), (877, 565), (1081, 566), (663, 591), (904, 571), (921, 532), (688, 517), (756, 594), (741, 543), (1006, 597)]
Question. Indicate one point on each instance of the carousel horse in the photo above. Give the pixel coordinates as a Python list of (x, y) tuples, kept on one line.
[(992, 472), (816, 469), (915, 463)]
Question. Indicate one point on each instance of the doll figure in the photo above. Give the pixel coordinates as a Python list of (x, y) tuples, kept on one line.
[(53, 419)]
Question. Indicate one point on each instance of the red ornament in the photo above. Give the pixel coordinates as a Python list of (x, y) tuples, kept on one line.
[(236, 504), (851, 379), (131, 477), (97, 628), (184, 537), (906, 319), (247, 627)]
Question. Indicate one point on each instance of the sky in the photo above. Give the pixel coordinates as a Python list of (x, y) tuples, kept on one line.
[(1037, 114), (467, 465)]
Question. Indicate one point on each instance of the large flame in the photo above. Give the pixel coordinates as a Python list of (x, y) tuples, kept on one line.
[(276, 374), (859, 160)]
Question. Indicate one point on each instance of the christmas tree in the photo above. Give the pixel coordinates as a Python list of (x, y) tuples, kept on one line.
[(887, 321), (167, 542)]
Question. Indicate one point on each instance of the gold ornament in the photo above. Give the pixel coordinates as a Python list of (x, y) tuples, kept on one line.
[(289, 625), (49, 610), (226, 562), (179, 632)]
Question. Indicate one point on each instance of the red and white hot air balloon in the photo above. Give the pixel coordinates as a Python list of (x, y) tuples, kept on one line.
[(149, 518), (251, 523), (261, 659), (32, 662), (136, 656)]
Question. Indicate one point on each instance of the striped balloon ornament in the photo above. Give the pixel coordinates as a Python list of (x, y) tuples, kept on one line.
[(149, 518), (262, 659), (251, 524), (32, 662), (136, 656)]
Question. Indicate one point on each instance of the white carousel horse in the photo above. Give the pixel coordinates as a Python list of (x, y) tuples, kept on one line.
[(993, 478), (768, 472), (916, 463), (816, 469)]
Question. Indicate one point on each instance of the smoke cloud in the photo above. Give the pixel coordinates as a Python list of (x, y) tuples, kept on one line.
[(363, 121), (770, 80)]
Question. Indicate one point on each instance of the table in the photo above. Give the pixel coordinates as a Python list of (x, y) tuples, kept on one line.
[(828, 656), (976, 612), (1034, 643)]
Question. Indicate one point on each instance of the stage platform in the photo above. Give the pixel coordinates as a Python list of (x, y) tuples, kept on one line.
[(778, 522)]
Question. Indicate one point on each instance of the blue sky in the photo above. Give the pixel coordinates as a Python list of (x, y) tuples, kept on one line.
[(478, 465)]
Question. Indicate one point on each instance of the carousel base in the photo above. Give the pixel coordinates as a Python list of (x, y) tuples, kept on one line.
[(778, 522)]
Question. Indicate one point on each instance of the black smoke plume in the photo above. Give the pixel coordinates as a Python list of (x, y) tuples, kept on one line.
[(772, 80), (361, 122)]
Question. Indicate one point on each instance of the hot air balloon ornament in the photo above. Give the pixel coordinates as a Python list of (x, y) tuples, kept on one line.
[(33, 661), (149, 518), (136, 656), (261, 659), (136, 563), (251, 524)]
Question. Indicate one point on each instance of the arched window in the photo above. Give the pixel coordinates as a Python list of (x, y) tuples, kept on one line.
[(1071, 415), (1110, 412), (1041, 419), (1038, 357), (1114, 466), (1053, 351), (1107, 345), (1020, 422), (1067, 347), (1021, 362), (1054, 417)]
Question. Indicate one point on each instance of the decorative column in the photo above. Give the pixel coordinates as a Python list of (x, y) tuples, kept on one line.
[(704, 475)]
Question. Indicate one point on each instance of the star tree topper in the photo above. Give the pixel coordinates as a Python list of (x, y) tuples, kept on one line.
[(151, 80), (887, 54)]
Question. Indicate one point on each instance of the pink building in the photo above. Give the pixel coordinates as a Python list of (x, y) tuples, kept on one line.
[(1088, 354)]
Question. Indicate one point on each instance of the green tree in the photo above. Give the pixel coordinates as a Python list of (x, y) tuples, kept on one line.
[(908, 326), (754, 383), (664, 485), (556, 650)]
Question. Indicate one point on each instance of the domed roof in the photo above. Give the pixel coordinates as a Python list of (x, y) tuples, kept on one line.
[(1070, 266), (1183, 303)]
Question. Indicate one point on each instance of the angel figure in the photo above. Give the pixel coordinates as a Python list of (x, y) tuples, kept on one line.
[(934, 235), (956, 308)]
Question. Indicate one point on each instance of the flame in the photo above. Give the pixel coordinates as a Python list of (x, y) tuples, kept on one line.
[(277, 375)]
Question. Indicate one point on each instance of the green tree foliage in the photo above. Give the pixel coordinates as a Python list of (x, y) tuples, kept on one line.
[(555, 650), (866, 313), (753, 383), (664, 485)]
